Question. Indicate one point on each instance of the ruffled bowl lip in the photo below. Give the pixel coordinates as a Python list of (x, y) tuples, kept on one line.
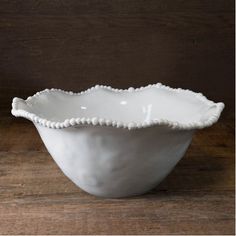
[(99, 121)]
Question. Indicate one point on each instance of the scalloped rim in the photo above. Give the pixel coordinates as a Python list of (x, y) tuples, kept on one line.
[(108, 122)]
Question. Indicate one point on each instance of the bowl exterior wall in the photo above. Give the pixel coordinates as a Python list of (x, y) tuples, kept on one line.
[(114, 162)]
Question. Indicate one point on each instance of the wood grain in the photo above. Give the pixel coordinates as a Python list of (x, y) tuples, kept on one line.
[(36, 198), (73, 45)]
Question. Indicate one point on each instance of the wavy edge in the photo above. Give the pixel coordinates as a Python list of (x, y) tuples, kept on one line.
[(113, 123)]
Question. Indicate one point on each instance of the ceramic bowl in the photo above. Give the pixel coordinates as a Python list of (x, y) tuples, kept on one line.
[(117, 143)]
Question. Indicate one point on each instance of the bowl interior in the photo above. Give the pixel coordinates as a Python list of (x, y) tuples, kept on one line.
[(137, 106)]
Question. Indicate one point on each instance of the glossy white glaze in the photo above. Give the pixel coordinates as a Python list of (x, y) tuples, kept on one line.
[(117, 143)]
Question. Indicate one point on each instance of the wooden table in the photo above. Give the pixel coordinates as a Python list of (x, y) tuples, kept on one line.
[(36, 198)]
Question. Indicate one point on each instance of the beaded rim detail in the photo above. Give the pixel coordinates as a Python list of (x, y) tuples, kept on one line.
[(98, 121)]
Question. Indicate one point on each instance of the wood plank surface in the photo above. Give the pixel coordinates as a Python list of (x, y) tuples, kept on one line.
[(36, 198)]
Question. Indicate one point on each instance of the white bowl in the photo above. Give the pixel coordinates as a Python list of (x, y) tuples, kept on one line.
[(117, 143)]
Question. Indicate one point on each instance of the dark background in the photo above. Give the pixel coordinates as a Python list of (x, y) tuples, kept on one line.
[(76, 44)]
